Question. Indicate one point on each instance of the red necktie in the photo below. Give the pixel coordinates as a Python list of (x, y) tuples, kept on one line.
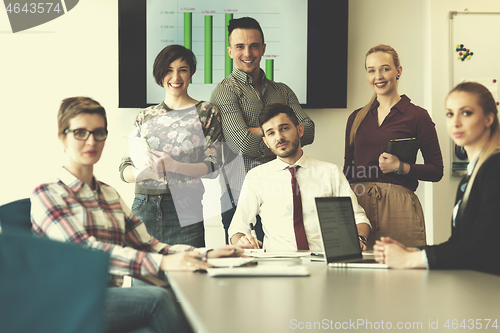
[(298, 222)]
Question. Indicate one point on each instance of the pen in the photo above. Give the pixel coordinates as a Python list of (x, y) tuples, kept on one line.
[(255, 251), (252, 231)]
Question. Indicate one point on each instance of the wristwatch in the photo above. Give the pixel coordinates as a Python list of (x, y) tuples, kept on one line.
[(363, 239), (399, 171)]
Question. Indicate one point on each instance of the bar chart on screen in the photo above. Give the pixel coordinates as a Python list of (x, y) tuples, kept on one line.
[(201, 26)]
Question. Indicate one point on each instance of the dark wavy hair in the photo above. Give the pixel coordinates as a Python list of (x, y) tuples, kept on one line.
[(167, 56), (272, 110)]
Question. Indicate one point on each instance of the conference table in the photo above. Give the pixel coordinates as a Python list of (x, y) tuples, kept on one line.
[(341, 299)]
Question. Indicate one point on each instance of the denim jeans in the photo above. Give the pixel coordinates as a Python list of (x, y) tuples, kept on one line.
[(143, 309), (160, 217)]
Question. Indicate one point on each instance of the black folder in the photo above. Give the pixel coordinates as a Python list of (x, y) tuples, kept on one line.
[(405, 149)]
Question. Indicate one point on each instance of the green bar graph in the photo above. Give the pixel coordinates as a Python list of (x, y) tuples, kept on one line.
[(188, 30), (270, 69), (228, 62), (208, 48)]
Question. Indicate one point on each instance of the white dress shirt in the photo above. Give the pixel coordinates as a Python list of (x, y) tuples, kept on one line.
[(267, 191)]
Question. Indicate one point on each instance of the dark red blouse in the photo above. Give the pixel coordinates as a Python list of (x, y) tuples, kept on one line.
[(405, 120)]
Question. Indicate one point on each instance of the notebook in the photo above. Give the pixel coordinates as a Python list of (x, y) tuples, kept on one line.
[(260, 270), (265, 254), (231, 262), (139, 151), (339, 234), (405, 149)]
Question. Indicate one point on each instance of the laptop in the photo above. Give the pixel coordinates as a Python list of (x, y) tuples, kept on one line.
[(339, 234)]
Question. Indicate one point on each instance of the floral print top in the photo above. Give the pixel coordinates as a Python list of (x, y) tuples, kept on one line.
[(190, 135)]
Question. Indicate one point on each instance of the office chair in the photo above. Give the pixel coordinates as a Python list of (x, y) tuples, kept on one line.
[(15, 216), (49, 286)]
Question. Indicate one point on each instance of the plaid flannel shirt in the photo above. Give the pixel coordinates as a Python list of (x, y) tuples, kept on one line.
[(69, 211)]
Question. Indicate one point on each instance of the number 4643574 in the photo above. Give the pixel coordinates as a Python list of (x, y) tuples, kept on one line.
[(471, 324), (33, 8)]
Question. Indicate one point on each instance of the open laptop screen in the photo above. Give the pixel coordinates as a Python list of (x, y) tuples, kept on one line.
[(338, 228)]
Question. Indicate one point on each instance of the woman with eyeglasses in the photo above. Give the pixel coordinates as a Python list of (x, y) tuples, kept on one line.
[(472, 122), (184, 137), (77, 208)]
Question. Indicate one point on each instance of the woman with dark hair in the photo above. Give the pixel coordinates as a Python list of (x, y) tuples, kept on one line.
[(384, 184), (472, 122), (184, 136), (77, 208)]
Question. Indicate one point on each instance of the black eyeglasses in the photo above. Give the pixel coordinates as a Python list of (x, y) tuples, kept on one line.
[(82, 134)]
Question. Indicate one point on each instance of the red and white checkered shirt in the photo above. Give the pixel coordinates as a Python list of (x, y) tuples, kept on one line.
[(68, 210)]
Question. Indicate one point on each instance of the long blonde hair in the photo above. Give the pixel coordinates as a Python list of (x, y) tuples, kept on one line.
[(364, 111), (488, 104)]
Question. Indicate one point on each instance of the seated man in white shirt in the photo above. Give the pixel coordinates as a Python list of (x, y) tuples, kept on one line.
[(267, 190)]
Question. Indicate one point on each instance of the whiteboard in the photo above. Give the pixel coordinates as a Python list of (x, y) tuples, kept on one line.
[(476, 32)]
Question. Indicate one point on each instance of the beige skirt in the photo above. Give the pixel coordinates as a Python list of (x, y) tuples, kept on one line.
[(394, 211)]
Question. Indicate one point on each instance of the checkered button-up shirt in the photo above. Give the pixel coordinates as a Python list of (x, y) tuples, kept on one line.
[(240, 105), (68, 210)]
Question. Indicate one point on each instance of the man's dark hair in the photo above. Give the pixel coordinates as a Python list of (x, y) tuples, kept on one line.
[(245, 23), (272, 110), (167, 56)]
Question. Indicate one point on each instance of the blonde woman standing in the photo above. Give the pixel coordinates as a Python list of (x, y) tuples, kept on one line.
[(385, 185)]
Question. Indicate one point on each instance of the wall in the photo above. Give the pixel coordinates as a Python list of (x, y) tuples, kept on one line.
[(439, 84), (77, 54)]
